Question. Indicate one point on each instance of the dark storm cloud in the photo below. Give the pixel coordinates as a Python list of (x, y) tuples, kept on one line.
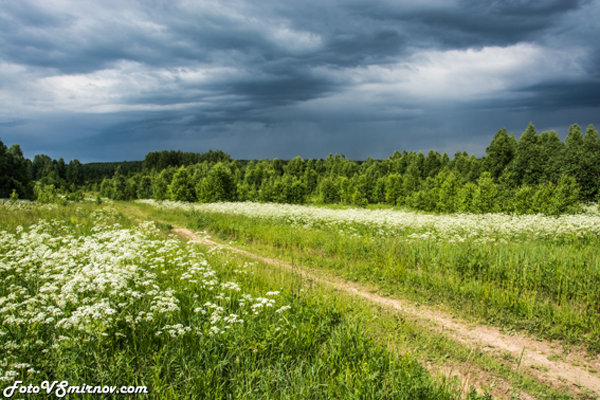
[(283, 88), (38, 37), (471, 23), (115, 79), (560, 95)]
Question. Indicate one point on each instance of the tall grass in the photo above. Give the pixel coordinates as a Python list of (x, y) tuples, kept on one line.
[(90, 296), (545, 285)]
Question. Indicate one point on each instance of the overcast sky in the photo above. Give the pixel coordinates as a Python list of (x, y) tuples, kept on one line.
[(112, 80)]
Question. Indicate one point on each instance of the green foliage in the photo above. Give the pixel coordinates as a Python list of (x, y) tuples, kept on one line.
[(500, 153), (393, 189), (45, 193), (311, 179), (361, 185), (566, 196), (588, 176), (14, 172), (218, 185), (486, 196), (432, 164), (378, 193), (432, 183), (160, 184), (329, 190), (547, 198), (295, 167), (359, 199), (528, 163), (573, 151), (558, 199), (541, 201), (160, 160), (41, 166), (156, 330), (541, 283), (144, 189), (466, 198), (95, 172), (106, 188), (347, 190), (74, 173), (421, 200), (289, 189), (181, 187), (76, 195), (120, 189), (553, 154), (411, 179), (522, 200), (448, 195)]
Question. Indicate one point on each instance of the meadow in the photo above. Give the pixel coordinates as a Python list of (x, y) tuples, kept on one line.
[(92, 295), (109, 294), (535, 273)]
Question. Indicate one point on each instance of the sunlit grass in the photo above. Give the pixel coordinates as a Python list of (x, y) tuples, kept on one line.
[(536, 273), (91, 296)]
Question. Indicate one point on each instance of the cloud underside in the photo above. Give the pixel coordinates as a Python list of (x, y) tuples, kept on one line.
[(279, 79)]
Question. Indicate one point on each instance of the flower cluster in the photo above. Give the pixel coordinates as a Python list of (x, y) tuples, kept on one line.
[(58, 287), (414, 225)]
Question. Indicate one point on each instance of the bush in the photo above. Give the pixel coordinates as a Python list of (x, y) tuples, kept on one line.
[(45, 193), (75, 196), (329, 190)]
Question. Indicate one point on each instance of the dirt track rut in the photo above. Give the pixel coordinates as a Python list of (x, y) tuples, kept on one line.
[(544, 360)]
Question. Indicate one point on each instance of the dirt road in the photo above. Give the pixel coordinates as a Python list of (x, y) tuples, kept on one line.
[(545, 361)]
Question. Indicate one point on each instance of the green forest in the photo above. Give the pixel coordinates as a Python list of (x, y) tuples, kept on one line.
[(536, 173)]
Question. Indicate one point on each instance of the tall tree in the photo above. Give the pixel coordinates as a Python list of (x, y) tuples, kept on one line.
[(120, 190), (393, 189), (16, 173), (161, 183), (295, 167), (432, 164), (553, 153), (589, 174), (42, 165), (486, 195), (218, 185), (500, 153), (5, 181), (74, 173), (181, 187), (573, 152), (528, 164), (448, 195), (411, 179), (329, 190), (144, 189)]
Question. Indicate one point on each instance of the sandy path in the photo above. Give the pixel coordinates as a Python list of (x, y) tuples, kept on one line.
[(544, 360)]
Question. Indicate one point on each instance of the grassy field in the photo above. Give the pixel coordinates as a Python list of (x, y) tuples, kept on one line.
[(98, 295), (109, 295), (536, 273)]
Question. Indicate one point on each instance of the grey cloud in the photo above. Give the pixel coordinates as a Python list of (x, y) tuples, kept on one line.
[(470, 23), (562, 95), (277, 101)]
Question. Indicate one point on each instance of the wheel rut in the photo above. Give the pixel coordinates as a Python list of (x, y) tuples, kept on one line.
[(548, 362)]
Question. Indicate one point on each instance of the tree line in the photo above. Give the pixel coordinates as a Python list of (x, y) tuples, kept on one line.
[(538, 173)]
